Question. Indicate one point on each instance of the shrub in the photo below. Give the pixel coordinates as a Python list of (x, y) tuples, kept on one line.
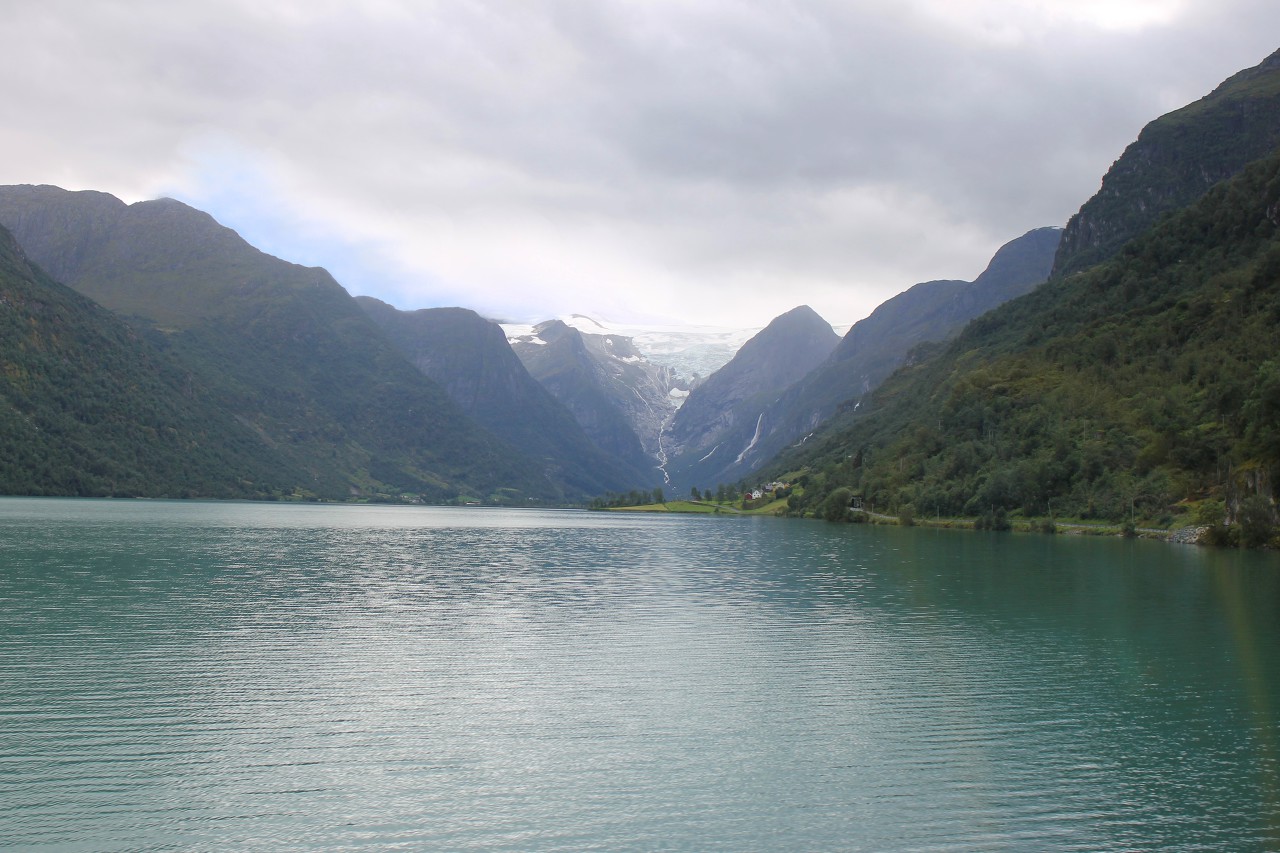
[(1257, 522), (994, 519), (836, 506)]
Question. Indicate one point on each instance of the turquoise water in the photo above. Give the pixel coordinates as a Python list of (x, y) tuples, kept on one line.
[(211, 675)]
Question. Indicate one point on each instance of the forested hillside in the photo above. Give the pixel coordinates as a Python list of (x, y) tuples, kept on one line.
[(281, 347), (89, 408), (1144, 388)]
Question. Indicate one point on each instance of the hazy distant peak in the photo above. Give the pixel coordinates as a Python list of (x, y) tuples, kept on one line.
[(800, 316), (1023, 258)]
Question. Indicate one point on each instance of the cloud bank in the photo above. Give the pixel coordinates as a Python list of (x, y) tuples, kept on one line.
[(712, 162)]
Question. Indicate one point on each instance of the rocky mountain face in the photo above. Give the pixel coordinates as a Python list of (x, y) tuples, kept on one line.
[(1174, 161), (89, 408), (469, 356), (724, 413), (620, 399), (877, 345), (282, 348)]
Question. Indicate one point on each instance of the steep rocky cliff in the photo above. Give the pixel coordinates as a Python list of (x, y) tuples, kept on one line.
[(620, 399), (1174, 161)]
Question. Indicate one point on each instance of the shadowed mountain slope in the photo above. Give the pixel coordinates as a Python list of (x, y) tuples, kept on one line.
[(282, 347), (470, 357), (1174, 161), (726, 409), (621, 400), (89, 408), (880, 343)]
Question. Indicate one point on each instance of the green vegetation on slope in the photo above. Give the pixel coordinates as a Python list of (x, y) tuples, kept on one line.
[(88, 408), (282, 348), (1115, 393), (876, 346), (310, 374)]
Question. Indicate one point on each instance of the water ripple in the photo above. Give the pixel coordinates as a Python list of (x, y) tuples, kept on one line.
[(201, 676)]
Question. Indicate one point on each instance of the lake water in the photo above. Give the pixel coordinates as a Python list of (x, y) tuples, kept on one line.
[(214, 675)]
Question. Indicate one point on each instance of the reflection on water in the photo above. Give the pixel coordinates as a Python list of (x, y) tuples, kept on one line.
[(179, 675)]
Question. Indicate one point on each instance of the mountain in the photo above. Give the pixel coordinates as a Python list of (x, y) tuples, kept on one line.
[(281, 347), (470, 358), (692, 352), (726, 410), (1174, 161), (621, 400), (875, 346), (89, 408), (1145, 387)]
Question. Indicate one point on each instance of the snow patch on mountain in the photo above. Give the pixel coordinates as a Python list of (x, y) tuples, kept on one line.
[(692, 352)]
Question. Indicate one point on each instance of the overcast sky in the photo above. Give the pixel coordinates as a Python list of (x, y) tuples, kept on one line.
[(691, 160)]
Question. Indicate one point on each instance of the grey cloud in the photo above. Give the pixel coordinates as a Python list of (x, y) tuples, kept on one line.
[(710, 152)]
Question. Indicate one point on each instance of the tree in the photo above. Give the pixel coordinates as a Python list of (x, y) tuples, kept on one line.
[(836, 506), (995, 519), (658, 497), (1212, 515), (1257, 521), (695, 494)]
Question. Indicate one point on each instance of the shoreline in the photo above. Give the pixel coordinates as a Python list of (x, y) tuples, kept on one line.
[(1189, 535)]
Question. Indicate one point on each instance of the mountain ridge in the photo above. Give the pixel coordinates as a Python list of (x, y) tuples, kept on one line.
[(1142, 389), (283, 347), (1174, 161), (718, 412), (878, 344), (469, 356)]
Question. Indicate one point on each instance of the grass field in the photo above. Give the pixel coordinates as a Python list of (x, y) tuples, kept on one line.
[(701, 508)]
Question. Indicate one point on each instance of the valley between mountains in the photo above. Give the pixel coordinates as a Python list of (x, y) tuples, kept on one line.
[(1121, 368)]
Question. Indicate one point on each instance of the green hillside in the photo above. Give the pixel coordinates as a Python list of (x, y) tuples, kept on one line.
[(283, 348), (1134, 390), (88, 408)]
